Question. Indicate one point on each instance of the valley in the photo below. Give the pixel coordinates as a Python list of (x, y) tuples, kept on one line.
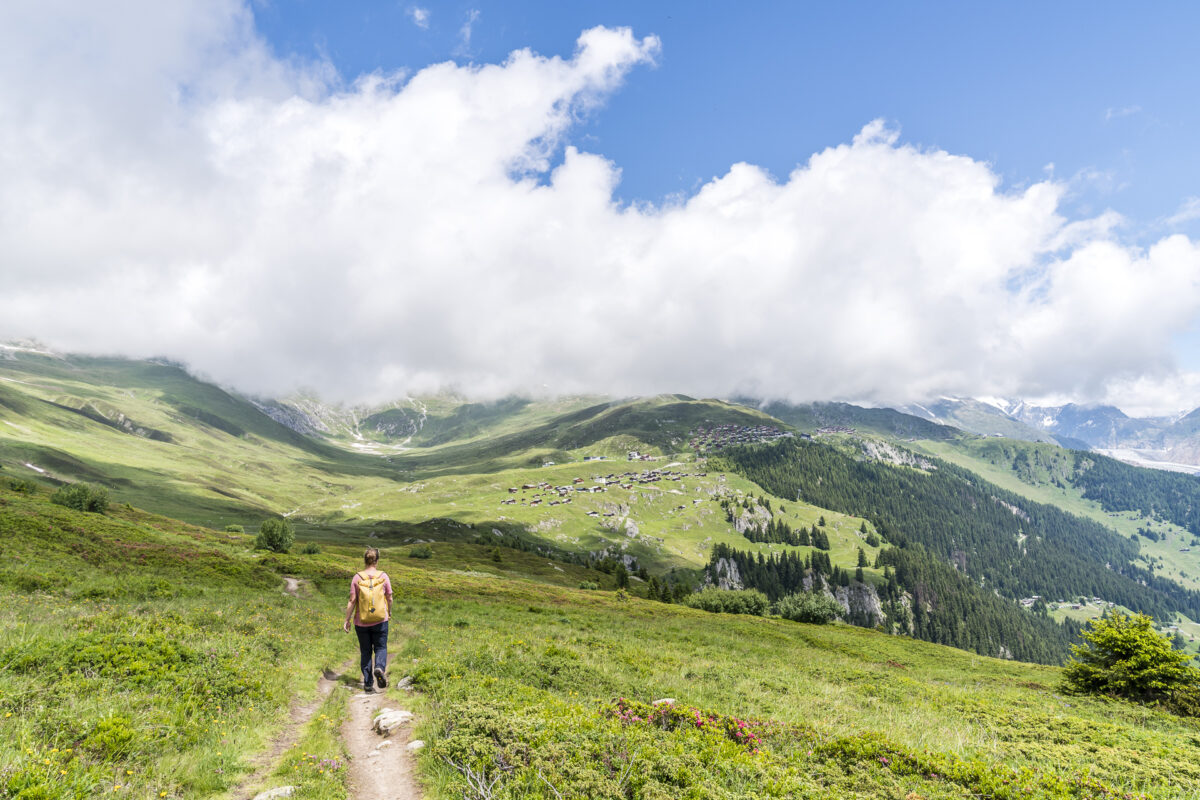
[(544, 553)]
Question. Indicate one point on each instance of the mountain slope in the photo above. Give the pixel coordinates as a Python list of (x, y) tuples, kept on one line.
[(812, 417), (1005, 542)]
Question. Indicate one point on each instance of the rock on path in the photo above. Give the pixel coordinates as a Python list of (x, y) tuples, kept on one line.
[(377, 737)]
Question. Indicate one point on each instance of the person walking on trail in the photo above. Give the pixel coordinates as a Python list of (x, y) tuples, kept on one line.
[(370, 608)]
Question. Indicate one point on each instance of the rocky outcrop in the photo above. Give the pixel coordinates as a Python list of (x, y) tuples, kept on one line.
[(861, 603), (890, 454), (724, 575), (751, 518)]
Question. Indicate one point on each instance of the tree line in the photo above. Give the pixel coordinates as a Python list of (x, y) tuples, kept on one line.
[(1003, 542)]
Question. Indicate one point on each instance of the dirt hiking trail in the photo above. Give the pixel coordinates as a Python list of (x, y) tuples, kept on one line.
[(298, 717), (381, 767), (380, 751)]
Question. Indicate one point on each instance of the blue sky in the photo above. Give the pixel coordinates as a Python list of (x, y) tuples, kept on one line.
[(1103, 91)]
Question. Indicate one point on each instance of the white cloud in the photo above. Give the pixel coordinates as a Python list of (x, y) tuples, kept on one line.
[(1155, 395), (464, 33), (419, 16), (1188, 211), (1121, 111), (179, 191)]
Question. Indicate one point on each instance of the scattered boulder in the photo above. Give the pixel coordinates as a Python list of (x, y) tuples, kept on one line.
[(415, 745), (405, 682), (666, 701), (277, 792), (391, 719)]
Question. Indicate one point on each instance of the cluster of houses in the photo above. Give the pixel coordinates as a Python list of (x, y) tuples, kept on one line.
[(715, 438), (831, 429), (552, 495)]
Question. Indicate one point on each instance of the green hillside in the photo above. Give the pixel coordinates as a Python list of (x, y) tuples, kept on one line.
[(162, 439), (1124, 498), (595, 483), (521, 678)]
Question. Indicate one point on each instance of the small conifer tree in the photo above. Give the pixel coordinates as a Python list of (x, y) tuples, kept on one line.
[(1123, 656)]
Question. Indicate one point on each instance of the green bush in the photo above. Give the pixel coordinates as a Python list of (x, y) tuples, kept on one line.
[(82, 497), (275, 535), (1123, 656), (21, 485), (588, 585), (112, 737), (728, 601), (310, 549), (813, 607), (234, 529), (421, 551)]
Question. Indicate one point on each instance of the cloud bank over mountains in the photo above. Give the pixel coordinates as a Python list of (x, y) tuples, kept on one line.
[(172, 187)]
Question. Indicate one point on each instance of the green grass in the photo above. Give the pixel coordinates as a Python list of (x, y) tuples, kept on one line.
[(526, 676), (133, 654), (647, 520), (317, 765), (143, 653)]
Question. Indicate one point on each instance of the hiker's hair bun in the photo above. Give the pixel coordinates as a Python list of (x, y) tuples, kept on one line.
[(371, 556)]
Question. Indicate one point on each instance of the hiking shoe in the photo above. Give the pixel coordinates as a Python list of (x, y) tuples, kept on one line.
[(380, 678), (369, 690)]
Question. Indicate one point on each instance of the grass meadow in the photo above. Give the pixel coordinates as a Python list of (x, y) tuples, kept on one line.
[(142, 657)]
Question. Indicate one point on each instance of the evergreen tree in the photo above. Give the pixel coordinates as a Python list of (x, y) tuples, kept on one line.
[(1125, 657), (622, 575)]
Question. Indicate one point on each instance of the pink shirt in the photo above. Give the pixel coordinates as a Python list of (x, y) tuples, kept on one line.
[(387, 590)]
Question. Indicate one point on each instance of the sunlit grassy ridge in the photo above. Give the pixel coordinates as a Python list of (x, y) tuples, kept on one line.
[(668, 523)]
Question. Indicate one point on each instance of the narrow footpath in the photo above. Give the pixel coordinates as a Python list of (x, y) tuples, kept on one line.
[(381, 760), (298, 717), (376, 736)]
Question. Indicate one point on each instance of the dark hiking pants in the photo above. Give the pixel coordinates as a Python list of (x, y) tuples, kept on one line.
[(372, 651)]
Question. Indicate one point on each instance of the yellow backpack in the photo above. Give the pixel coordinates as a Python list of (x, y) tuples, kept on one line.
[(372, 602)]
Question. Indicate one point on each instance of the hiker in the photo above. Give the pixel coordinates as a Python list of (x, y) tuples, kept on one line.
[(370, 608)]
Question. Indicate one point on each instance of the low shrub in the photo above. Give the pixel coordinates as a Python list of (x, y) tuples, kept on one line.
[(588, 585), (421, 551), (21, 485), (730, 601), (82, 497), (670, 717), (813, 607), (310, 549), (276, 535), (234, 529)]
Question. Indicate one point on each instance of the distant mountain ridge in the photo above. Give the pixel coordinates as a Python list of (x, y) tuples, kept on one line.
[(1151, 441)]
